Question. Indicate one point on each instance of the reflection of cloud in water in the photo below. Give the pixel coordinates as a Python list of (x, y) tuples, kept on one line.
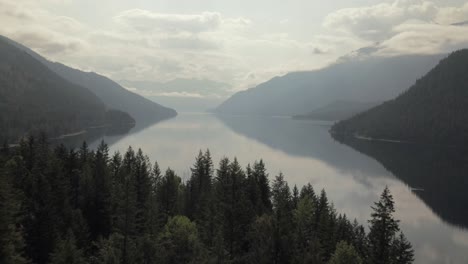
[(304, 152)]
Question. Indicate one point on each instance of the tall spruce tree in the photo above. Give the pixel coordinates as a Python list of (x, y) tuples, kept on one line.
[(283, 215), (383, 228), (402, 250)]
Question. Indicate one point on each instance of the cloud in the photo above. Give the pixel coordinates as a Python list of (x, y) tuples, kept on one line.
[(404, 26), (146, 21), (189, 42), (451, 15), (425, 39), (176, 94), (46, 42), (376, 22), (319, 51), (145, 45)]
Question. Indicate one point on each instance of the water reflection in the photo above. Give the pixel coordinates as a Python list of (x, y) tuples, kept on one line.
[(424, 215), (305, 152), (111, 135), (438, 175), (304, 139)]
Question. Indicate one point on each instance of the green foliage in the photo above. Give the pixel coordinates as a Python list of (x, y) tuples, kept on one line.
[(85, 206), (66, 252), (179, 242), (11, 235), (383, 228), (345, 254), (402, 251)]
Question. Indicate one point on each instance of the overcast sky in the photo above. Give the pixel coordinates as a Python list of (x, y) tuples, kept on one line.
[(239, 42)]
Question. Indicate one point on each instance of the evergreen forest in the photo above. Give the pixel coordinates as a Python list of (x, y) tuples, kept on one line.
[(77, 206)]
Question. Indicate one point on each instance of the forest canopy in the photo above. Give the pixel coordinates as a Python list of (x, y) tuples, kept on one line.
[(62, 205)]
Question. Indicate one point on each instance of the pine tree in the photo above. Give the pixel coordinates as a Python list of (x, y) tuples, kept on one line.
[(199, 198), (262, 240), (306, 243), (234, 210), (66, 252), (295, 197), (12, 243), (402, 251), (383, 228), (109, 251), (345, 254), (261, 176), (66, 206), (283, 213), (360, 241), (101, 209), (143, 189), (168, 195)]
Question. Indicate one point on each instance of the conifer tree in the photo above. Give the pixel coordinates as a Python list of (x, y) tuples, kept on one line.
[(261, 177), (12, 243), (168, 195), (402, 250), (283, 215), (66, 252), (306, 243), (383, 228), (345, 254), (143, 189), (261, 238)]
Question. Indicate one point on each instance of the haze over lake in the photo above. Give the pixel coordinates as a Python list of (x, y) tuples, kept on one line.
[(433, 219)]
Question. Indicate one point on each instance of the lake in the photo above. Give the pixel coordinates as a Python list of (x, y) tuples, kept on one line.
[(428, 184)]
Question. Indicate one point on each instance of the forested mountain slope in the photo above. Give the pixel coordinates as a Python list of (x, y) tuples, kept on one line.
[(338, 110), (112, 94), (370, 79), (434, 110), (33, 98)]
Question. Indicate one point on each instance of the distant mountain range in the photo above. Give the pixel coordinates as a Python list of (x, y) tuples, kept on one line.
[(336, 111), (434, 110), (33, 98), (111, 93), (186, 95), (364, 79), (39, 95)]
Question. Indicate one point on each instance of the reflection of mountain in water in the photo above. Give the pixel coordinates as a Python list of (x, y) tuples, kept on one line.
[(304, 139), (442, 173), (110, 135)]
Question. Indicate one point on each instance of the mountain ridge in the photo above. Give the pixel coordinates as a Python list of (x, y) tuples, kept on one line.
[(433, 110), (110, 92), (35, 99), (297, 93)]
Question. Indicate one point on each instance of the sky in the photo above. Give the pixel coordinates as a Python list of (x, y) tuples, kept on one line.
[(241, 43)]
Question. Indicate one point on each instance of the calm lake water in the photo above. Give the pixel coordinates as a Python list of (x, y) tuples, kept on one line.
[(435, 218)]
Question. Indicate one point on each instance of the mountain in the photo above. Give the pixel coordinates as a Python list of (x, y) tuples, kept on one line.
[(338, 110), (363, 79), (112, 94), (186, 95), (434, 110), (33, 98)]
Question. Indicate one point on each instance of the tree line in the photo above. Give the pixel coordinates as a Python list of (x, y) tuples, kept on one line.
[(77, 206)]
